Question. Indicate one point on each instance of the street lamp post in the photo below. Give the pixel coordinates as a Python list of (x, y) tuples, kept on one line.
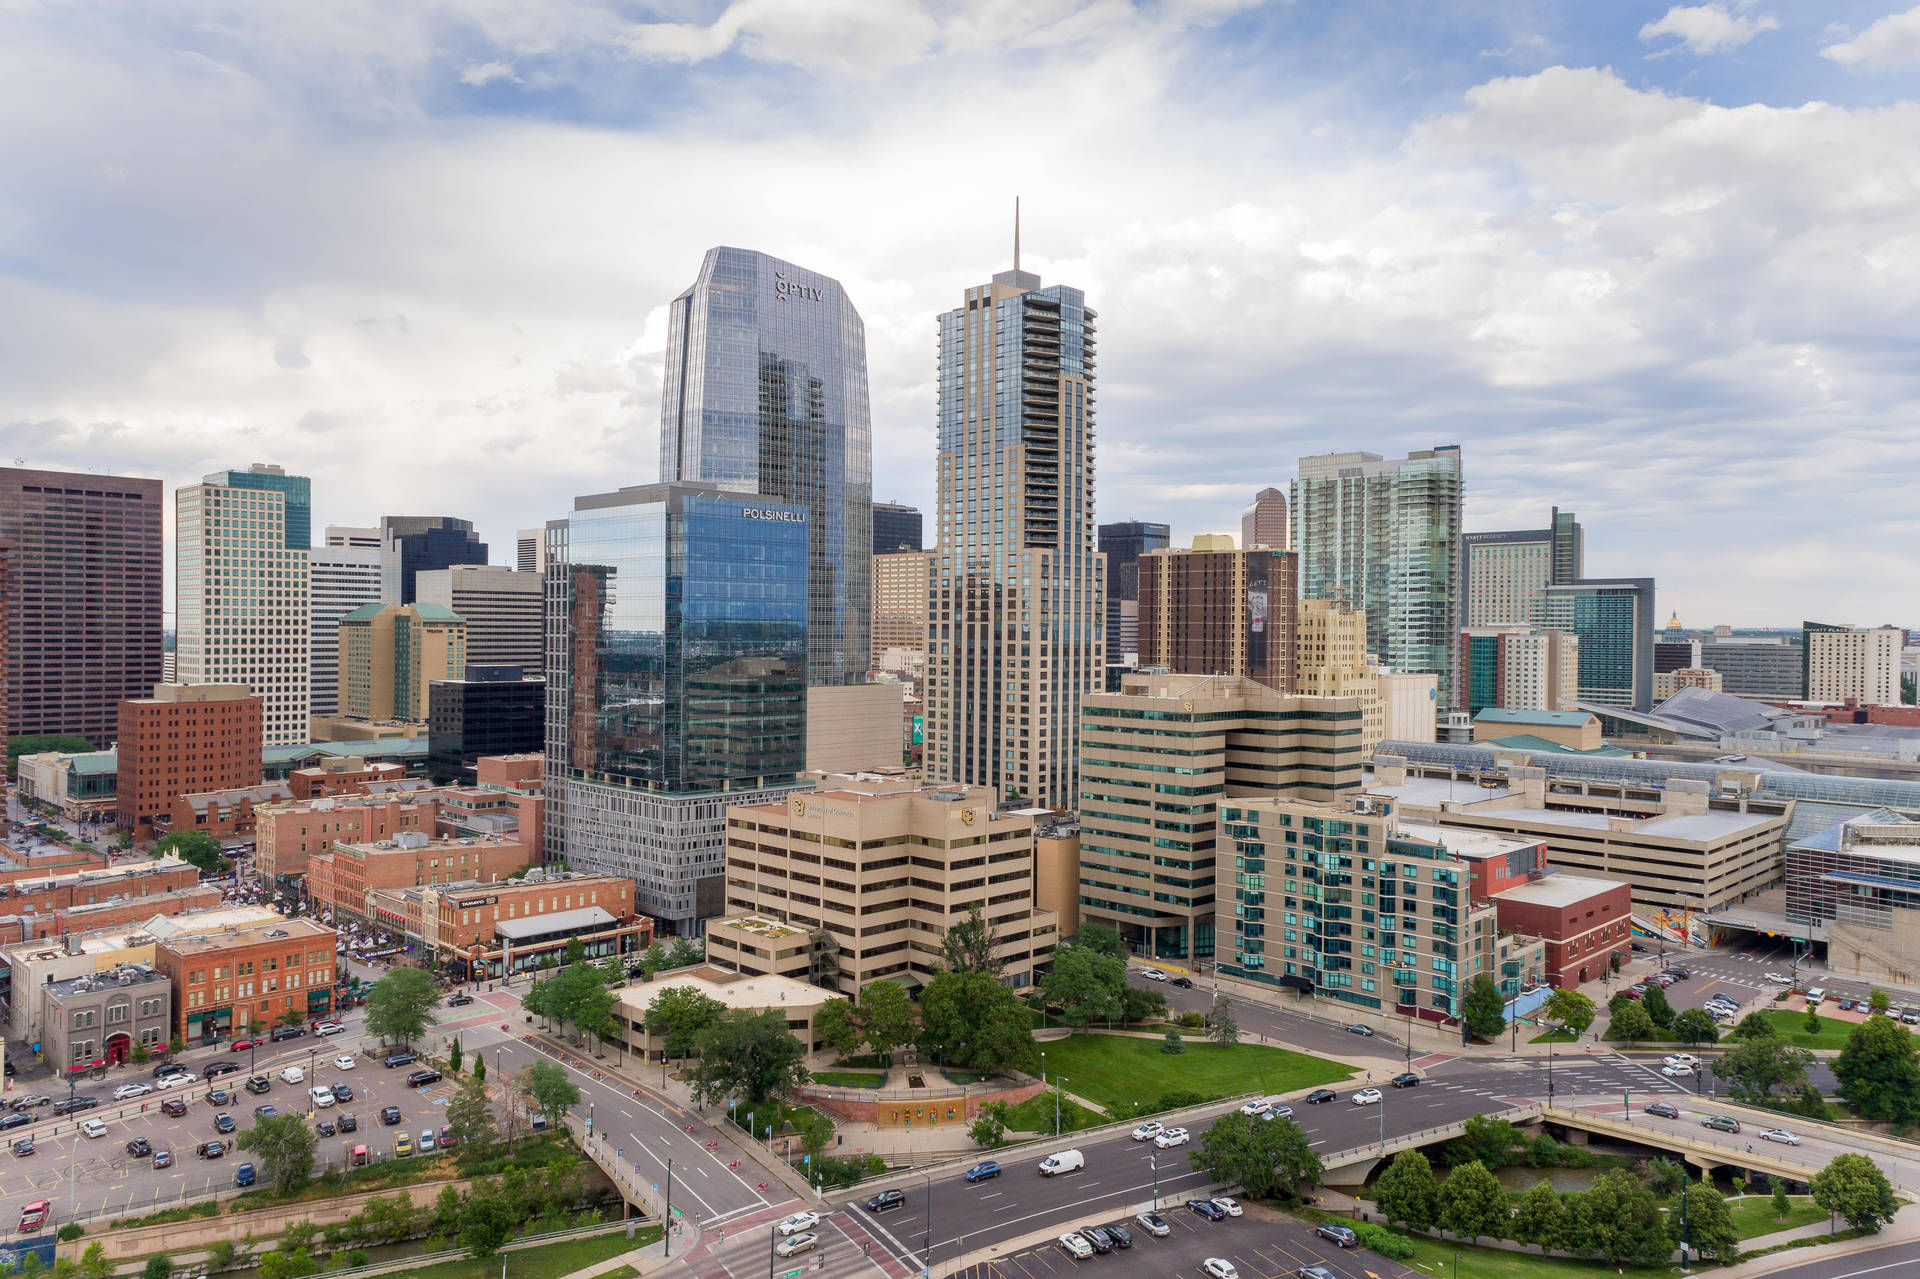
[(926, 1266), (1153, 1165)]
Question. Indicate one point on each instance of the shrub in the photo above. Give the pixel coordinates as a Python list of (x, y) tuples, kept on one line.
[(1388, 1243), (354, 1259), (1178, 1100), (71, 1231)]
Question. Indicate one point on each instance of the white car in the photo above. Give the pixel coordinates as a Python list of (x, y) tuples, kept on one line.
[(797, 1222), (1226, 1205), (1280, 1112), (294, 1075), (1153, 1223), (1682, 1059), (1782, 978), (796, 1245), (1679, 1071), (1219, 1268), (329, 1028), (1149, 1130), (125, 1091), (321, 1097), (93, 1128), (1367, 1097), (344, 1061), (1171, 1137), (1258, 1106), (1781, 1135), (1151, 974), (1076, 1246)]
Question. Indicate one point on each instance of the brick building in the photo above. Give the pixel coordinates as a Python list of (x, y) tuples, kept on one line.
[(100, 1017), (341, 878), (461, 923), (133, 912), (524, 772), (186, 739), (1583, 919), (342, 777), (287, 835), (17, 864), (227, 814), (263, 973), (1217, 609), (43, 893)]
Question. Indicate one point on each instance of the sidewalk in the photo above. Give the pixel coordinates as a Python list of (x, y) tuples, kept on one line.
[(1904, 1229)]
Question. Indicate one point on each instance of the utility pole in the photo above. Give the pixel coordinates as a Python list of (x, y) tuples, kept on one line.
[(1153, 1163), (773, 1233), (666, 1224)]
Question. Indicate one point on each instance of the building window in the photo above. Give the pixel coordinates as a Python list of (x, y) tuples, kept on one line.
[(117, 1013)]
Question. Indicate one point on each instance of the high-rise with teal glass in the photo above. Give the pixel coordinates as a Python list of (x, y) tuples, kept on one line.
[(1017, 632), (267, 478), (766, 392), (1614, 618)]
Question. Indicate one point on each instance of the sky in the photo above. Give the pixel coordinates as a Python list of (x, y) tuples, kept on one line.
[(1656, 264)]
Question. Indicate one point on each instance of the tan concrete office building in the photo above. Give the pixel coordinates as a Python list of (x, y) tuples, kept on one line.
[(874, 870), (1330, 660), (1863, 664), (390, 655), (1156, 760), (899, 605), (1217, 609)]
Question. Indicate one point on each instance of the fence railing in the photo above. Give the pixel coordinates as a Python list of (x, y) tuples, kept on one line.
[(1407, 1140)]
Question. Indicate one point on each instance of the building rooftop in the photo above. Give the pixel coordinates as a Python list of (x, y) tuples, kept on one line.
[(118, 977), (95, 875), (1431, 792), (759, 926), (1536, 719), (95, 762), (1528, 742), (1716, 824), (266, 793), (1559, 890), (729, 988), (198, 931), (1474, 845), (555, 922)]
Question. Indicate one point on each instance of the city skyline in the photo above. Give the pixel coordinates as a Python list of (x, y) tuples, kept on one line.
[(1520, 233)]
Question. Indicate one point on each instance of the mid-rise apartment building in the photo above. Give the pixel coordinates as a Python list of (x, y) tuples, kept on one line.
[(1156, 759), (288, 835), (899, 610), (343, 575), (1330, 660), (252, 975), (1217, 609), (1518, 668), (242, 581), (183, 740), (862, 878), (1667, 683), (82, 576), (1854, 662)]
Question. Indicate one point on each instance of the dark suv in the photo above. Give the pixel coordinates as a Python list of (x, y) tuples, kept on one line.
[(421, 1078), (399, 1059), (283, 1033), (73, 1105), (886, 1201), (215, 1069), (1102, 1241), (1341, 1236)]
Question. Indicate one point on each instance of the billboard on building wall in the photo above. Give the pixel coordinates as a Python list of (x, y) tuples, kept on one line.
[(919, 730)]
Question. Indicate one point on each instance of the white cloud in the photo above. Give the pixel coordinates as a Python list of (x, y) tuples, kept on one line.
[(1893, 41), (1708, 28), (481, 74)]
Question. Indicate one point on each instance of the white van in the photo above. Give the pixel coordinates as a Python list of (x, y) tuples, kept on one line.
[(294, 1075), (1065, 1161), (1816, 994)]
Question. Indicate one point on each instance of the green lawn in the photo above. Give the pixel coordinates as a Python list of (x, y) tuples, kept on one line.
[(1555, 1037), (1792, 1025), (1437, 1257), (1116, 1071), (1035, 1114), (848, 1079), (1753, 1214), (549, 1262)]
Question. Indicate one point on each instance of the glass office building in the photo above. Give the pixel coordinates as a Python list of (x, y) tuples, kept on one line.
[(677, 676), (1614, 619), (297, 489), (415, 544), (766, 393)]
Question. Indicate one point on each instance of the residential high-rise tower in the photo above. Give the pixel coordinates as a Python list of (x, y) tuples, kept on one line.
[(766, 393), (1218, 610), (1613, 619), (1384, 536), (1018, 590)]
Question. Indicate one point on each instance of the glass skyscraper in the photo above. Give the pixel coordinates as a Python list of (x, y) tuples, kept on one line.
[(298, 490), (1016, 632), (1614, 619), (415, 544), (676, 677), (766, 392)]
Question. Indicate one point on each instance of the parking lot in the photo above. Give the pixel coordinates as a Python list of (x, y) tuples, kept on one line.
[(1262, 1244), (90, 1176)]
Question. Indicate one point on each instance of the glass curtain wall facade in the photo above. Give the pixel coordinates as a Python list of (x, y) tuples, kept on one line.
[(297, 489), (1615, 624), (1384, 536), (417, 543), (1017, 627), (766, 392), (677, 673), (1123, 544)]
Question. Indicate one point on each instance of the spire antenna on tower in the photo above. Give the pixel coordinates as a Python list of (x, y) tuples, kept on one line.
[(1016, 233)]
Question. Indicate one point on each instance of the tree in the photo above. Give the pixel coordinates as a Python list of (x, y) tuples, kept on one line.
[(297, 1264), (969, 1019), (1852, 1186), (196, 848), (94, 1263), (547, 1084), (1173, 1044), (1473, 1203), (1488, 1141), (400, 1005), (1665, 1177), (1571, 1009), (1878, 1000), (1265, 1156), (686, 952), (1658, 1006), (40, 744), (678, 1016), (1710, 1229), (1484, 1010), (1695, 1026), (447, 1209), (159, 1266), (1812, 1023), (1631, 1024), (1100, 939), (480, 1067), (833, 1023), (969, 945), (1085, 984), (486, 1224), (469, 1114), (1755, 1025), (1407, 1192), (1541, 1217), (1879, 1072), (221, 1255), (750, 1055), (285, 1146), (886, 1016), (1619, 1220), (453, 1055), (1780, 1205), (1141, 1003), (1621, 1000), (989, 1127), (1221, 1027), (1757, 1068)]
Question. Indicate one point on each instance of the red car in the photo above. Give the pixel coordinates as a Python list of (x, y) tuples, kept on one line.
[(240, 1045), (35, 1214)]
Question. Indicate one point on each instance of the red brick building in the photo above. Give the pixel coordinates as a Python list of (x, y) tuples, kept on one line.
[(1584, 922), (42, 863), (226, 814), (262, 973), (186, 739), (342, 777), (340, 880), (287, 835), (512, 772)]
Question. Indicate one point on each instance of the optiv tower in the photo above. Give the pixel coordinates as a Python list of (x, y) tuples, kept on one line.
[(766, 392)]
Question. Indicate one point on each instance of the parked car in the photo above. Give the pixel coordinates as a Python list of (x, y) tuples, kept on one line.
[(1846, 1005), (1153, 1223), (173, 1108), (1102, 1242), (1319, 1095), (1314, 1272), (224, 1123), (293, 1075), (163, 1159), (325, 1128), (243, 1175), (1407, 1080), (394, 1060), (321, 1096), (1149, 1130), (1207, 1209), (389, 1115), (348, 1122), (17, 1119), (984, 1170), (219, 1097), (23, 1147), (211, 1150), (402, 1146), (140, 1147), (344, 1061), (1662, 1110), (93, 1128), (422, 1078), (1227, 1205), (265, 1112), (1219, 1268), (1151, 974), (1356, 1028), (342, 1092), (1340, 1236), (34, 1215), (1121, 1236), (1075, 1246)]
